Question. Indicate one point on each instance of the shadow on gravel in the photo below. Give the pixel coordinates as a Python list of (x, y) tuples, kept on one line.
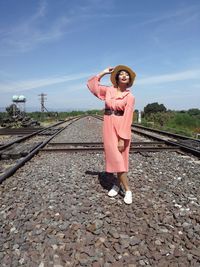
[(106, 180)]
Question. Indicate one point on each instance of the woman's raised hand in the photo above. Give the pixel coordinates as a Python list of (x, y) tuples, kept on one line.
[(108, 70)]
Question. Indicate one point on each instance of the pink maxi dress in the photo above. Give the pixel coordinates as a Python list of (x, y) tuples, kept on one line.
[(115, 127)]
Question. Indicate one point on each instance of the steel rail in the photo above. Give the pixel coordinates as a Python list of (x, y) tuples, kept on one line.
[(98, 146), (132, 149), (100, 143), (29, 136), (19, 131), (177, 136), (184, 148), (21, 162)]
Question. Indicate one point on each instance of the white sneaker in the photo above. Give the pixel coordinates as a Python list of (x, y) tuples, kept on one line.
[(114, 191), (128, 197)]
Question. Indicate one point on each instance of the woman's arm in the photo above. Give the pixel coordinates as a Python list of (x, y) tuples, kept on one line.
[(95, 87), (125, 128), (108, 70)]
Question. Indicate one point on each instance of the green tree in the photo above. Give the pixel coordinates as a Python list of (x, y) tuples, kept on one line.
[(154, 108), (194, 111)]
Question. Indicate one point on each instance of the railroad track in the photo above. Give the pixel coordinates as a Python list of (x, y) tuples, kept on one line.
[(180, 142), (18, 152), (58, 204), (28, 136), (173, 136), (19, 131), (67, 147), (186, 144), (94, 146)]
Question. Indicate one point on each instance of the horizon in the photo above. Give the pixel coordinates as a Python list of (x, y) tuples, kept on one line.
[(31, 109)]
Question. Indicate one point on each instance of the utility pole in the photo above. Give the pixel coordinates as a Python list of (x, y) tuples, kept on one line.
[(42, 100)]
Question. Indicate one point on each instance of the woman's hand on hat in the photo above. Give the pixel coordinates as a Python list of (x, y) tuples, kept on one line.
[(108, 70)]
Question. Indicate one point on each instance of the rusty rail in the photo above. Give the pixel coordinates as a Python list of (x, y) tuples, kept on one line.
[(98, 146), (21, 162)]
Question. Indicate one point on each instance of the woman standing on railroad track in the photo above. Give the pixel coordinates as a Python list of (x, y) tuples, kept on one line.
[(118, 115)]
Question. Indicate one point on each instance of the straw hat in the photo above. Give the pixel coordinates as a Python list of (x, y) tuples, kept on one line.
[(119, 68)]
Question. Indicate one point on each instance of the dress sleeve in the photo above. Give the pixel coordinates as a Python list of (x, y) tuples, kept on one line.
[(97, 89), (125, 128)]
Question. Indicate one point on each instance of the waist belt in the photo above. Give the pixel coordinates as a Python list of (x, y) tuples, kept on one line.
[(115, 112)]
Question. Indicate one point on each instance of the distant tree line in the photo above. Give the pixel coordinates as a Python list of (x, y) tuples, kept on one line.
[(185, 122), (155, 115)]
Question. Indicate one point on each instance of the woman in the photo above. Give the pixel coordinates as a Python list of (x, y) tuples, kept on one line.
[(118, 115)]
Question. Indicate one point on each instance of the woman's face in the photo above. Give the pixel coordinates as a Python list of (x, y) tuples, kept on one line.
[(124, 77)]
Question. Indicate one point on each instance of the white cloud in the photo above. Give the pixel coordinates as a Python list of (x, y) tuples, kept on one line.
[(38, 29), (172, 77), (26, 85), (31, 84), (184, 15), (33, 31)]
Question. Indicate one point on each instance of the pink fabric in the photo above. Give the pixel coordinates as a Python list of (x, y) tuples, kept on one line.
[(115, 126)]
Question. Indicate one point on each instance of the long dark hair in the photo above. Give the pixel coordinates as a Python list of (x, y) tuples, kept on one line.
[(117, 76)]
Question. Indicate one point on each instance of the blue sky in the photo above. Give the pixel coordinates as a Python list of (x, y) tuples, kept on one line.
[(53, 47)]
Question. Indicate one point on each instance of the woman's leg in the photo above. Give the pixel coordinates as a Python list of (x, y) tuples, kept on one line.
[(122, 178)]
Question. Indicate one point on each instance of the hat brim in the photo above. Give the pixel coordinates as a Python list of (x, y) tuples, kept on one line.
[(117, 69)]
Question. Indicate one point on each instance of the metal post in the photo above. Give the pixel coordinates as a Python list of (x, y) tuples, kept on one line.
[(42, 100), (139, 117)]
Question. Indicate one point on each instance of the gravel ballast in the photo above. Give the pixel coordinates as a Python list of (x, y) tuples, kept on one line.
[(55, 210)]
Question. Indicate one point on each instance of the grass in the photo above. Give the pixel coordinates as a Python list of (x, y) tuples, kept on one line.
[(175, 122)]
